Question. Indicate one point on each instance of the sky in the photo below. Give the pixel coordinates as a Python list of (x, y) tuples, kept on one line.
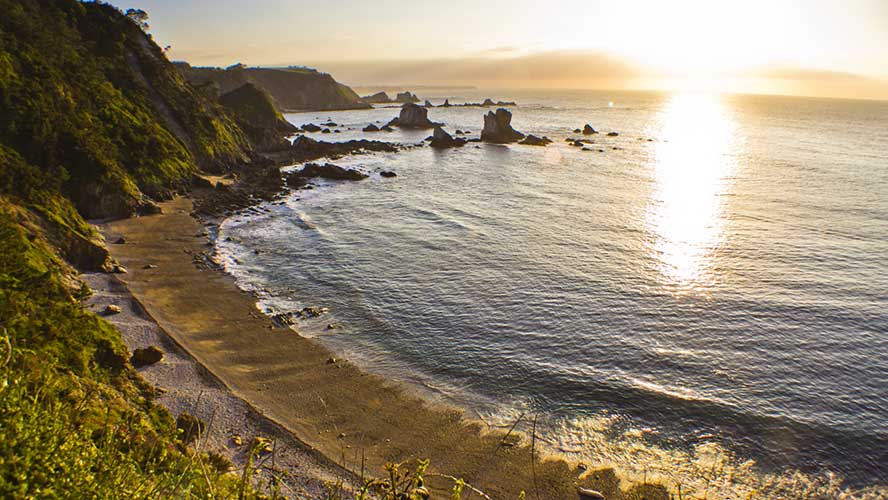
[(811, 47)]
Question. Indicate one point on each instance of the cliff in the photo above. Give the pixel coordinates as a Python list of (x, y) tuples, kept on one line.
[(254, 111), (94, 123), (290, 88)]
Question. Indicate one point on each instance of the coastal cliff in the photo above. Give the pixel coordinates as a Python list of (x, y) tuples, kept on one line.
[(290, 88)]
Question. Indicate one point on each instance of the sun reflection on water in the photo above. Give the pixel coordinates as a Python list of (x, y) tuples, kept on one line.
[(691, 170)]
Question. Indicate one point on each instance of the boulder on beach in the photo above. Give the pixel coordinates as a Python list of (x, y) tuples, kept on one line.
[(532, 140), (146, 356), (441, 140), (588, 130), (413, 116), (371, 128), (498, 127), (330, 171)]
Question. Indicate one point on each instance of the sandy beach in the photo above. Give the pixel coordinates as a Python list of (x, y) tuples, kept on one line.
[(259, 376)]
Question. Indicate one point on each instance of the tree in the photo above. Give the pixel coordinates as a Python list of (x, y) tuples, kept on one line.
[(140, 17)]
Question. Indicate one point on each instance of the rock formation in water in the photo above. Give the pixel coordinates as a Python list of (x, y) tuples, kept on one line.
[(498, 127), (406, 97), (413, 116), (532, 140), (330, 171), (371, 128), (588, 130), (378, 98), (442, 140)]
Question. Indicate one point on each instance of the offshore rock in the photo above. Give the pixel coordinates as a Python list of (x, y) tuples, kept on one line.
[(441, 140), (498, 127)]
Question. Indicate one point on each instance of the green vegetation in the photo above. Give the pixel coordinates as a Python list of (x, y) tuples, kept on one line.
[(88, 99)]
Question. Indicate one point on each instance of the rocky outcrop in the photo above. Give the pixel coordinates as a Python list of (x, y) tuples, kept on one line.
[(330, 171), (442, 140), (305, 148), (588, 130), (378, 98), (532, 140), (292, 88), (498, 127), (406, 97), (413, 116), (255, 113)]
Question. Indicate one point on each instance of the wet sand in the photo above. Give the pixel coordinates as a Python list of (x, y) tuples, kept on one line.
[(332, 407)]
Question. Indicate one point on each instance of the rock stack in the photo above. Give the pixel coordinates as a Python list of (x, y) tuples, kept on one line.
[(498, 127)]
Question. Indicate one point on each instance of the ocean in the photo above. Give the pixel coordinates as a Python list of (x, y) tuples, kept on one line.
[(701, 300)]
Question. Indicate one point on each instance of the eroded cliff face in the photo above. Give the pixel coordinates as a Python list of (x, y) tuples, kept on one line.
[(290, 88)]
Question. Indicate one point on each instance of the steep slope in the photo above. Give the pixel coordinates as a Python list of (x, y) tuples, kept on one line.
[(94, 122), (94, 105), (291, 88), (254, 111)]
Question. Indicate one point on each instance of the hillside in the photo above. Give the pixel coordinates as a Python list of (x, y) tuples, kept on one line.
[(291, 88), (254, 111), (94, 123)]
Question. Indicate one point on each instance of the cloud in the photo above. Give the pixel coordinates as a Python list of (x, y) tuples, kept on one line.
[(541, 69)]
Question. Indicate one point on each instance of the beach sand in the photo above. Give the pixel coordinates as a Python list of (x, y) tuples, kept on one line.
[(335, 409)]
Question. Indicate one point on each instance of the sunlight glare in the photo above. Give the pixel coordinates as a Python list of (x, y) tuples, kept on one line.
[(691, 171)]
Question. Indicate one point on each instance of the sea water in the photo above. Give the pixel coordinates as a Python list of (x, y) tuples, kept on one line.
[(700, 300)]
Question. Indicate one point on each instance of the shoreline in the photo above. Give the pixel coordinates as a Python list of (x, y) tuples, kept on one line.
[(331, 406)]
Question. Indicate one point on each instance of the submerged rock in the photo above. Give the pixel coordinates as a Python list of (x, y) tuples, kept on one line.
[(498, 127), (330, 171), (441, 140), (532, 140)]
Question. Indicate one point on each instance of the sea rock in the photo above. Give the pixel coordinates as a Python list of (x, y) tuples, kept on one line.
[(498, 127), (441, 140), (378, 98), (414, 116), (406, 97), (325, 131), (330, 124), (311, 127), (577, 131), (532, 140), (330, 171), (386, 128), (146, 356), (613, 134), (386, 173), (428, 104), (112, 309), (488, 103), (371, 128), (588, 130), (446, 103)]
